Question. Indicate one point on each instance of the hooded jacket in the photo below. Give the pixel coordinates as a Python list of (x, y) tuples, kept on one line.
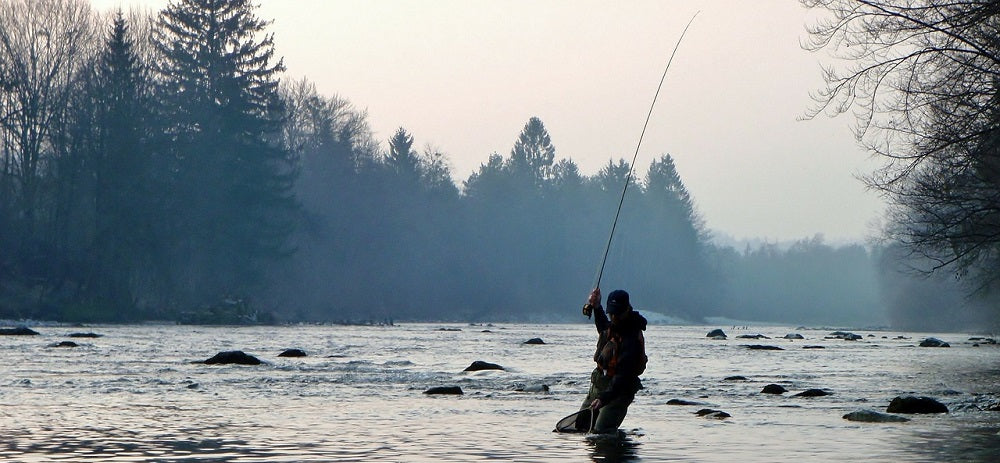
[(620, 353)]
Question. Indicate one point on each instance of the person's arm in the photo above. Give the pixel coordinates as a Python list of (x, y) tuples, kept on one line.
[(594, 305)]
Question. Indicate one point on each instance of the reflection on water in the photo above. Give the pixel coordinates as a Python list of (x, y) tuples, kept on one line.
[(136, 395), (614, 450)]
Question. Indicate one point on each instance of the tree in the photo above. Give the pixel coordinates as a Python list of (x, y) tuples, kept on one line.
[(115, 114), (924, 77), (232, 203), (533, 154), (43, 44), (402, 160)]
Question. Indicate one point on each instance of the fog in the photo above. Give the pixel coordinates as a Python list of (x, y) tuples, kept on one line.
[(171, 183)]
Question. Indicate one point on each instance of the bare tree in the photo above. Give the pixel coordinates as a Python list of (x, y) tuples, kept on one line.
[(923, 81), (42, 45)]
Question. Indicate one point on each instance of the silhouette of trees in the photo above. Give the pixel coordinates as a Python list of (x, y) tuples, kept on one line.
[(232, 201), (924, 80)]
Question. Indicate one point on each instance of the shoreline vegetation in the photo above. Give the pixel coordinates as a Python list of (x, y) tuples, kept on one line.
[(183, 176)]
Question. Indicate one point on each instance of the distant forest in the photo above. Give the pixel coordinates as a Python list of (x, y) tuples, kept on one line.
[(163, 168)]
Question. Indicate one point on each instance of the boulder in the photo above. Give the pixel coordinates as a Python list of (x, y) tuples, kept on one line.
[(19, 331), (933, 342), (912, 404), (794, 336), (844, 335), (762, 347), (85, 335), (234, 356), (716, 334), (871, 416), (481, 365), (64, 344), (682, 402), (773, 389), (752, 336), (534, 341), (735, 378), (531, 387), (293, 353), (812, 393), (444, 390), (709, 413)]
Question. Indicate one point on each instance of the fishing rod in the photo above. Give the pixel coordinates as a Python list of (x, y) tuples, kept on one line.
[(628, 178)]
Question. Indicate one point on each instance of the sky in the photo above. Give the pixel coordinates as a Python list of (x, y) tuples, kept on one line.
[(465, 76)]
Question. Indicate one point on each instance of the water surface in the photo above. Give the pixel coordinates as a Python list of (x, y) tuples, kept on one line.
[(135, 394)]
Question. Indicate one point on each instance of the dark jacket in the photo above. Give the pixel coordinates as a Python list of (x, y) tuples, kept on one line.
[(620, 349)]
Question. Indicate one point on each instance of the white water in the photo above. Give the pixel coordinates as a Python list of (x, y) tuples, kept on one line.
[(135, 395)]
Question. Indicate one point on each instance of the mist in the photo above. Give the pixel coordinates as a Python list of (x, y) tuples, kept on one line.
[(157, 190)]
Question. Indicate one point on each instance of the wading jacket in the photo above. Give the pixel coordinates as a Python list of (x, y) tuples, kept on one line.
[(621, 353)]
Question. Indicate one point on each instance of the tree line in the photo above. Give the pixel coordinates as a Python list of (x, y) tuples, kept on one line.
[(160, 167)]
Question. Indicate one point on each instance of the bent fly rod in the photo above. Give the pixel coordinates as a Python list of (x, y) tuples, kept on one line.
[(628, 178)]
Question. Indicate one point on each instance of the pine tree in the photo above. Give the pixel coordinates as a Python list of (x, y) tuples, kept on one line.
[(533, 154), (233, 201), (120, 162)]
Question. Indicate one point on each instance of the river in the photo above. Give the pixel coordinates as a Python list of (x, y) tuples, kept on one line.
[(137, 394)]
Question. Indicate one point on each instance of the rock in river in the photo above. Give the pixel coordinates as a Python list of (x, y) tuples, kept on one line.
[(871, 416), (534, 341), (812, 393), (64, 344), (933, 342), (234, 356), (716, 334), (481, 365), (912, 404), (773, 389), (293, 353), (444, 390), (19, 331)]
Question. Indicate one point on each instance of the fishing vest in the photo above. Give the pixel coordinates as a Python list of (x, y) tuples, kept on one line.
[(608, 353)]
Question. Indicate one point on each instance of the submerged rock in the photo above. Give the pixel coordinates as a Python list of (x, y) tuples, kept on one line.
[(234, 356), (762, 347), (19, 331), (682, 402), (752, 336), (85, 335), (844, 335), (871, 416), (534, 341), (912, 404), (794, 336), (531, 387), (933, 342), (813, 347), (735, 378), (812, 393), (444, 390), (64, 344), (709, 413), (716, 334), (292, 353), (773, 389), (481, 365)]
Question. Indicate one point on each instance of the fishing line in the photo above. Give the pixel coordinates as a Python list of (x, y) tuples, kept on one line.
[(628, 178)]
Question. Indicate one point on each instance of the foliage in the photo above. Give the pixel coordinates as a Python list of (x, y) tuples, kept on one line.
[(924, 79)]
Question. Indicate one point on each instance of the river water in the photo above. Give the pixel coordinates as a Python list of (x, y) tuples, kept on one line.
[(135, 394)]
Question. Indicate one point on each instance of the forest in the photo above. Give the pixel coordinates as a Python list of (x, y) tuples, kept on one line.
[(164, 167)]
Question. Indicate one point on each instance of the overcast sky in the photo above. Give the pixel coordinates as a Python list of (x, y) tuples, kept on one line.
[(465, 76)]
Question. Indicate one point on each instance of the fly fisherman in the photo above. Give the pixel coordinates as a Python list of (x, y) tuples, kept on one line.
[(621, 358)]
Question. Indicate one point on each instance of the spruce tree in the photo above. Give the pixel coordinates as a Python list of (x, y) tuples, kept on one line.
[(233, 204)]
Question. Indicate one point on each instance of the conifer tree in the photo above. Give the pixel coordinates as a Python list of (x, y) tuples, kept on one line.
[(233, 202), (533, 154)]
